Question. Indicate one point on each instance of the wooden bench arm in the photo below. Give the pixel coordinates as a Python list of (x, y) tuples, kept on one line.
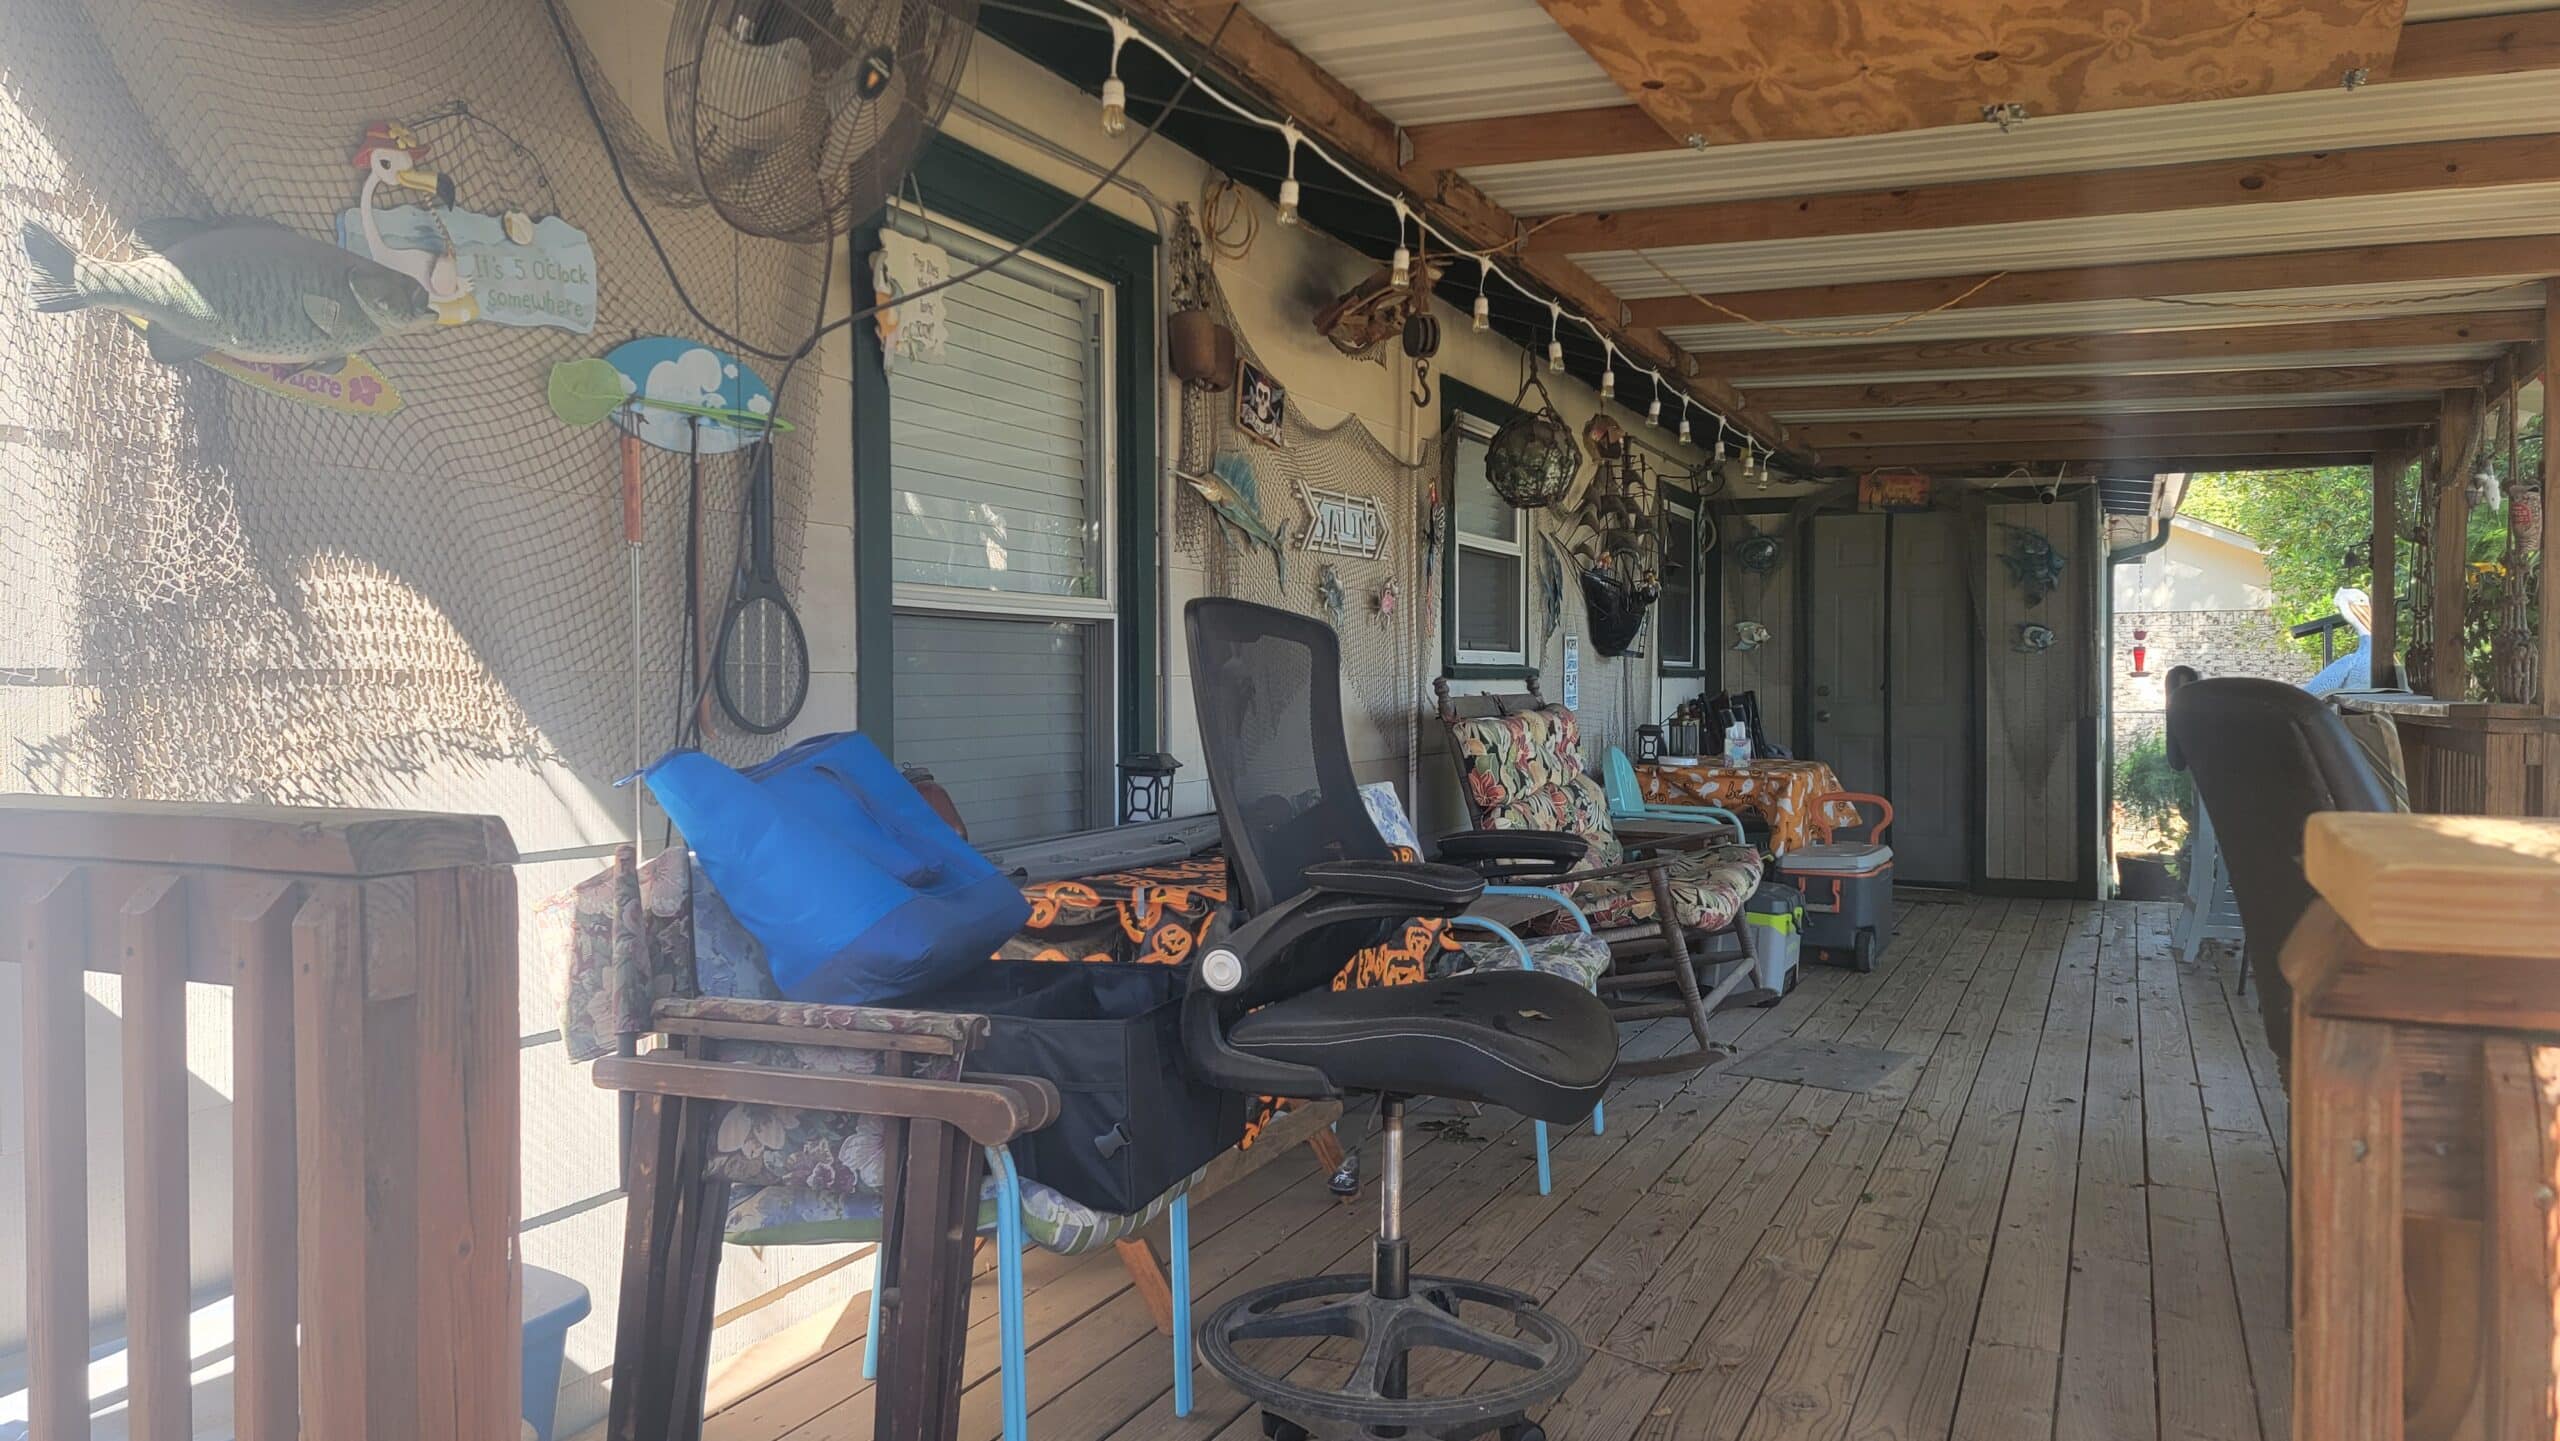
[(990, 1109)]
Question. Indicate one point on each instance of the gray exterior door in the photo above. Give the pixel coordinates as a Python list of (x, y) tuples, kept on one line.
[(1845, 651), (1931, 684)]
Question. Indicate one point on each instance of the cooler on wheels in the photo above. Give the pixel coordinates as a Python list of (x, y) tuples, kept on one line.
[(1847, 884)]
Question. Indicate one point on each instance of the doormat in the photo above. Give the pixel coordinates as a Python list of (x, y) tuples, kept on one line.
[(1829, 1065)]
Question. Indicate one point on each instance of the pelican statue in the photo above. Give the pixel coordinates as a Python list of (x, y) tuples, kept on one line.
[(390, 156)]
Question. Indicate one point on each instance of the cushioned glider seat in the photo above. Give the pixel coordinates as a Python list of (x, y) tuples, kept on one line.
[(1708, 889), (1504, 1038)]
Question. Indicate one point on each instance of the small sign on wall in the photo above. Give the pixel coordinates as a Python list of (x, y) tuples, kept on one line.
[(1341, 523), (1572, 671)]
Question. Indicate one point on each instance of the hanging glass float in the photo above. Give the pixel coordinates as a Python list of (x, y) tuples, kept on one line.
[(1533, 459)]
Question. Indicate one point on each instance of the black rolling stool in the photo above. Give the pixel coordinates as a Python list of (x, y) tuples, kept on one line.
[(1311, 883)]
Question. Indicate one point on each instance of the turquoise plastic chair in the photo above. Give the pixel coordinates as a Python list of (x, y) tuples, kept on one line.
[(1012, 1364), (1627, 802)]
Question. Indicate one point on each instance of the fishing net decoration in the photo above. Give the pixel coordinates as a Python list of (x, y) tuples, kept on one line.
[(1381, 653), (1387, 662), (208, 592)]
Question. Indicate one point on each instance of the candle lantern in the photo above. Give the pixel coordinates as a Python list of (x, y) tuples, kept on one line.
[(1146, 787), (1648, 745)]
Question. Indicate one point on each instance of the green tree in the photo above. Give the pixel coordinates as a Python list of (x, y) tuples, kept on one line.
[(2310, 523)]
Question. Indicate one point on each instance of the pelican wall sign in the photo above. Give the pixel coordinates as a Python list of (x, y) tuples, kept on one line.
[(511, 269)]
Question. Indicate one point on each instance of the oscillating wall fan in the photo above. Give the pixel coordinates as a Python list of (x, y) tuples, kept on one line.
[(799, 118)]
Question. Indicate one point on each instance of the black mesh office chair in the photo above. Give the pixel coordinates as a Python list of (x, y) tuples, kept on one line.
[(2266, 756), (1313, 883)]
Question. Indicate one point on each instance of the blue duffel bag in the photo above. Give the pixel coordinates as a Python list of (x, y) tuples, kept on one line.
[(860, 894)]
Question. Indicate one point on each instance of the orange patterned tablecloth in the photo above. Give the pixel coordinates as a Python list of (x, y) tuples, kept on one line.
[(1779, 792)]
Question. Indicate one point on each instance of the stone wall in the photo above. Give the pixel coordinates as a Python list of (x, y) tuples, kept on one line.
[(2216, 642)]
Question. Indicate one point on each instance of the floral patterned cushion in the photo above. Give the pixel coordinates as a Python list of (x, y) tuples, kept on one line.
[(787, 1216), (1577, 957), (1708, 888), (1523, 771)]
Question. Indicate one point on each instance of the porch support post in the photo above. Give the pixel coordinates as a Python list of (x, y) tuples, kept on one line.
[(2457, 432), (2388, 467), (2547, 642)]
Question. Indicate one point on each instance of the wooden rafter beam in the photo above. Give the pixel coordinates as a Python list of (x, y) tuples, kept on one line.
[(2209, 344), (1254, 58), (2433, 50), (2205, 385), (2141, 190), (2182, 448), (2456, 263), (2121, 465), (2008, 431)]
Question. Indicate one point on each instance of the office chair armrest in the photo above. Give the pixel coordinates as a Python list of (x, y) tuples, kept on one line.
[(1445, 889), (1504, 855), (1241, 966)]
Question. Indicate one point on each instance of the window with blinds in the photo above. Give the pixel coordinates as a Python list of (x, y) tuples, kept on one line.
[(1489, 588), (1680, 604), (1000, 547)]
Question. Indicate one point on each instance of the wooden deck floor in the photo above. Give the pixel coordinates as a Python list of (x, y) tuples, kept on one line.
[(2066, 1220)]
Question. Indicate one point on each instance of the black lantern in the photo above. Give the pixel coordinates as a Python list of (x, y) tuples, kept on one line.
[(1648, 745), (1146, 787), (1533, 459)]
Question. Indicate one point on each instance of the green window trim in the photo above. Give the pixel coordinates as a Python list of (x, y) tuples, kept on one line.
[(969, 186), (1459, 398)]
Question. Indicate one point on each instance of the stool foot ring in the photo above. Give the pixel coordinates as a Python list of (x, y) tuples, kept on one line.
[(1535, 1358)]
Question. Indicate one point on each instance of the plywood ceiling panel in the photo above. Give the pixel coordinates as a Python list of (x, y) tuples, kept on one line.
[(1745, 70)]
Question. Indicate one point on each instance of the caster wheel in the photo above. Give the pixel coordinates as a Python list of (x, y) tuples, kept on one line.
[(1863, 955), (1525, 1431), (1281, 1429)]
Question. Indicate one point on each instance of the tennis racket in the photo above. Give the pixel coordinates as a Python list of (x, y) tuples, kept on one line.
[(760, 667)]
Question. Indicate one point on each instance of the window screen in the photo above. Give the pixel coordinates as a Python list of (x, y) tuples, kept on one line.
[(1006, 679), (1490, 558), (1679, 605), (997, 451)]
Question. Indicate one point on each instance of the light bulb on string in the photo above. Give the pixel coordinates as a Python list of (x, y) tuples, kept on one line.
[(1555, 338), (1609, 373), (1684, 423), (1289, 181), (1653, 408), (1115, 93), (1484, 303), (1719, 440), (1402, 271)]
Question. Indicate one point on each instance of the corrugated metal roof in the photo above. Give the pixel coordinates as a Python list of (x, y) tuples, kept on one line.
[(2055, 144), (2404, 355), (2145, 406), (2167, 235), (2257, 307), (1421, 61)]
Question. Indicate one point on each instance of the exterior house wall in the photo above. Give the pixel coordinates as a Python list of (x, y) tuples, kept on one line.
[(2203, 599)]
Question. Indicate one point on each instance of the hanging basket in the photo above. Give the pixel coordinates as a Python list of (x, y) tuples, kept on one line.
[(1533, 459)]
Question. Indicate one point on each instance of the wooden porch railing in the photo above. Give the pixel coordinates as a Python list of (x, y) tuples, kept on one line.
[(371, 959), (2426, 1131), (2475, 758)]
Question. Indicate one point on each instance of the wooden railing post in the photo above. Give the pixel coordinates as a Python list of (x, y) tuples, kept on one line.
[(52, 952), (2388, 468), (153, 927), (371, 956), (2426, 1130)]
